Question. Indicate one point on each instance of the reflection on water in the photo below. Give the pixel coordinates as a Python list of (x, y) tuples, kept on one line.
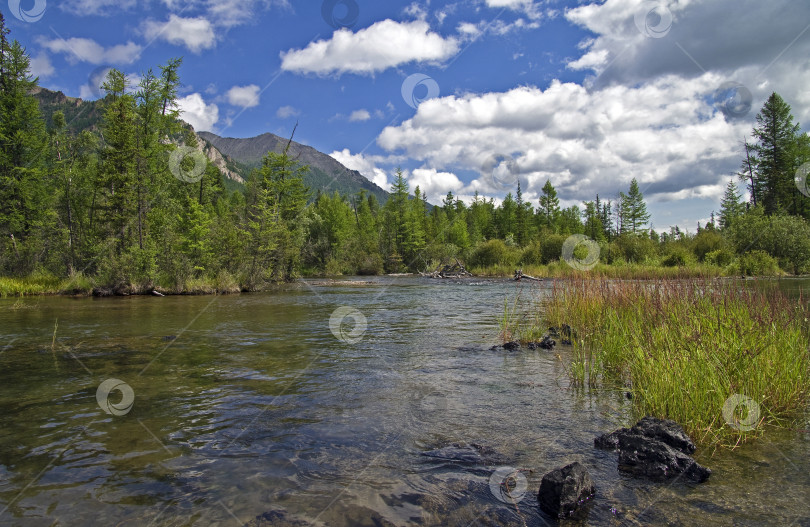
[(248, 406)]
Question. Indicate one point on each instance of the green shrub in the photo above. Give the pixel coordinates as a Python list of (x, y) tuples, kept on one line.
[(532, 255), (494, 252), (786, 238), (705, 242), (756, 263), (551, 247), (678, 257), (636, 249), (720, 257)]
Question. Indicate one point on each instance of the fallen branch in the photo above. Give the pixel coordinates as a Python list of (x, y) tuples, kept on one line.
[(520, 276)]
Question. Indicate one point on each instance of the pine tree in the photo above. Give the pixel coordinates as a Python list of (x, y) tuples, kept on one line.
[(24, 191), (119, 202), (414, 242), (730, 205), (506, 217), (395, 216), (593, 220), (774, 160), (634, 213), (549, 209), (521, 233)]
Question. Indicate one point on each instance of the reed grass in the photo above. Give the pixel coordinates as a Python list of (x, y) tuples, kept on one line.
[(685, 347), (605, 271)]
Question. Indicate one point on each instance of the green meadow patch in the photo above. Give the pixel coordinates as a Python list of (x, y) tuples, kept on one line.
[(722, 359)]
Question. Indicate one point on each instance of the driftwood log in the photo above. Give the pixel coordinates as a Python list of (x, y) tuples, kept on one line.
[(520, 276), (457, 270)]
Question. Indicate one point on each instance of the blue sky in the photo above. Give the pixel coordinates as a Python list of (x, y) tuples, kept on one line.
[(465, 95)]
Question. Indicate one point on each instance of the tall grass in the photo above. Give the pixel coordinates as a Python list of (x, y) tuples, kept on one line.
[(685, 347), (561, 269)]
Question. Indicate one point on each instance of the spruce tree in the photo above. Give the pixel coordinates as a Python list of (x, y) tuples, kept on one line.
[(634, 213), (774, 159), (730, 205), (549, 209)]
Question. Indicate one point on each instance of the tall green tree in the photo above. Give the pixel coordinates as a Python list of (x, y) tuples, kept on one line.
[(549, 209), (24, 190), (775, 157), (634, 213), (593, 221), (730, 206)]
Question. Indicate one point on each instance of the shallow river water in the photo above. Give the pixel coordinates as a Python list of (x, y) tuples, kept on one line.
[(250, 405)]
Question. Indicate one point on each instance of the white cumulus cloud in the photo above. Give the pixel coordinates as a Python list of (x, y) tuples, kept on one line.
[(359, 115), (433, 183), (196, 34), (367, 166), (663, 133), (383, 45), (197, 113), (285, 112), (41, 66), (244, 96), (88, 50)]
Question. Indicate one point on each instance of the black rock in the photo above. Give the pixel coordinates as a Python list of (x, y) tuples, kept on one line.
[(666, 431), (563, 331), (610, 441), (564, 491), (511, 346), (547, 343), (642, 456), (654, 448)]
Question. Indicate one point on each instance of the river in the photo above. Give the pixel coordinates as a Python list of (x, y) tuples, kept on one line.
[(250, 405)]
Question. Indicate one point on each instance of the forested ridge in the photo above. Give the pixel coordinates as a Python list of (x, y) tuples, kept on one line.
[(116, 207)]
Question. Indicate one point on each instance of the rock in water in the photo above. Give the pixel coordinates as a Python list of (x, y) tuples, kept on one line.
[(565, 490), (654, 448), (642, 456), (666, 431), (610, 441)]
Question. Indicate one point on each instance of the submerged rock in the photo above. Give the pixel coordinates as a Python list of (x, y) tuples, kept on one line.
[(654, 448), (469, 454), (511, 346), (564, 491), (547, 344), (563, 333), (276, 518)]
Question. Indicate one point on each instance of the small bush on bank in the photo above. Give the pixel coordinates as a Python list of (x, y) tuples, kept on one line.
[(759, 263)]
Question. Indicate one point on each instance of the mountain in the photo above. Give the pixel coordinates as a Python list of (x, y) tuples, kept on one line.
[(235, 158), (325, 173), (79, 115)]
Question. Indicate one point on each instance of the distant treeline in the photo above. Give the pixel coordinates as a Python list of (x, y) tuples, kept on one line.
[(120, 208)]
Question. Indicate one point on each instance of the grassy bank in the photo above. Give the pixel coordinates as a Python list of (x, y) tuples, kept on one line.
[(79, 284), (688, 349), (561, 269)]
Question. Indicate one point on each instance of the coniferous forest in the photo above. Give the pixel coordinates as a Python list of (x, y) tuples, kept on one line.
[(111, 209)]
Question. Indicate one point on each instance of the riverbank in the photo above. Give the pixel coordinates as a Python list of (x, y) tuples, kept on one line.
[(605, 271), (81, 285), (724, 361), (78, 284)]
